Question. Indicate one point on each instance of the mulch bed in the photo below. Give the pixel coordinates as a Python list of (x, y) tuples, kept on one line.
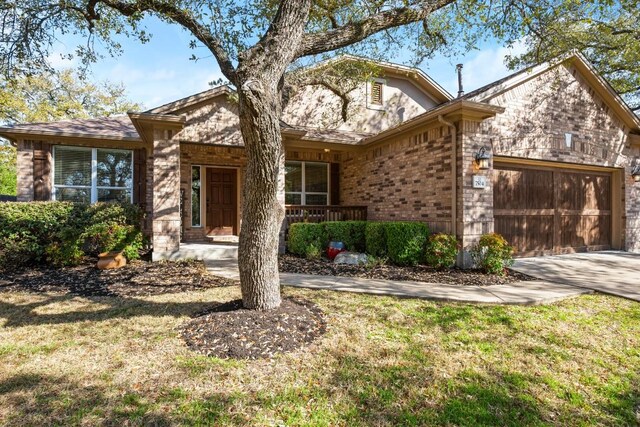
[(230, 331), (419, 273), (139, 278)]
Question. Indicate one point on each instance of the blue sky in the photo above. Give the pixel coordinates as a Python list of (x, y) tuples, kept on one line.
[(160, 71)]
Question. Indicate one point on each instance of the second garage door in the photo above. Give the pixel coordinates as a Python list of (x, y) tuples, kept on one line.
[(547, 210)]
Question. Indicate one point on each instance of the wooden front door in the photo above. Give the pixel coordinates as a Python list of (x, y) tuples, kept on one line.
[(222, 209), (552, 211)]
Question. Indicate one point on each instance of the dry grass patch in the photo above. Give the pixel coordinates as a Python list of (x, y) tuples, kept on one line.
[(73, 360)]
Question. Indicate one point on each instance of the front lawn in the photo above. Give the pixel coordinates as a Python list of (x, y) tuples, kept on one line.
[(119, 360)]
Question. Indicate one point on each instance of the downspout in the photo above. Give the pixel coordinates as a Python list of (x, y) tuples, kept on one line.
[(454, 173)]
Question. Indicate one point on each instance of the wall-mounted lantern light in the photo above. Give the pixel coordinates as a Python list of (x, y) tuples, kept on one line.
[(482, 158), (635, 173)]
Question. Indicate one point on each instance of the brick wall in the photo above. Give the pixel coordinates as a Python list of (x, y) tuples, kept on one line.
[(407, 178)]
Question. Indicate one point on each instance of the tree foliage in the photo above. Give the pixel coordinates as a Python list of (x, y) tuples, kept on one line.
[(51, 96), (607, 33), (7, 170)]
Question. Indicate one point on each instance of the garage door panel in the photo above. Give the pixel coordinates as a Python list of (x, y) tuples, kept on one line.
[(523, 189), (552, 210), (531, 234)]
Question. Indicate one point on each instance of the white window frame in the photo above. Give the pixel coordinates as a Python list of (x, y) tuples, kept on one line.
[(370, 105), (94, 187), (303, 193), (200, 191)]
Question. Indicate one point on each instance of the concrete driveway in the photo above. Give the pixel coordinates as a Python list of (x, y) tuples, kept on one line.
[(611, 272)]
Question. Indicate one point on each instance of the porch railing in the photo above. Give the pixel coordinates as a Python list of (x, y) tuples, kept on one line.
[(307, 213)]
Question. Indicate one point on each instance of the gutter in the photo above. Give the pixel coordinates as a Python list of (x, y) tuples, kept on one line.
[(454, 173)]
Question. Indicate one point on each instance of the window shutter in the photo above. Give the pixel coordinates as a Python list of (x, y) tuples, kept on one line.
[(41, 171), (140, 177), (334, 198)]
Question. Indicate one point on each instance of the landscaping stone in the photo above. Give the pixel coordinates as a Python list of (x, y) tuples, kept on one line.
[(351, 258)]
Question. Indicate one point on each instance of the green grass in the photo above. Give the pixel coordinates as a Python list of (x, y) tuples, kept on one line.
[(384, 361)]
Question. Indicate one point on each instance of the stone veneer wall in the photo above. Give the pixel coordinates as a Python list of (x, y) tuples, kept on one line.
[(538, 114), (407, 178)]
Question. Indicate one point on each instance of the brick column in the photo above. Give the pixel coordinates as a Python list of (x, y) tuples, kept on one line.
[(166, 194), (24, 167), (475, 205)]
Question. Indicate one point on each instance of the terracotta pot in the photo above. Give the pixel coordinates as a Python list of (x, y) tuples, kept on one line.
[(110, 260)]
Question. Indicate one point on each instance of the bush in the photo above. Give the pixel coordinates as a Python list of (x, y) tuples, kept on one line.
[(351, 233), (375, 239), (406, 242), (492, 254), (442, 251), (303, 234), (62, 233)]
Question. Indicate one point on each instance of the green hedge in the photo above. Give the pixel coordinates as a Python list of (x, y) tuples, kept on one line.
[(406, 242), (306, 238), (402, 242), (62, 233)]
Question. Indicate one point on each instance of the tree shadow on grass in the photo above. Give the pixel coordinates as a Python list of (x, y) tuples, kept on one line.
[(38, 400), (17, 315)]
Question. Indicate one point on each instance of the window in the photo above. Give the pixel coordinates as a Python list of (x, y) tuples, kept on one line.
[(306, 183), (89, 175), (196, 185)]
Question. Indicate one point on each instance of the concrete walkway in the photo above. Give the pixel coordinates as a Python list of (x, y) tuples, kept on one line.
[(611, 272), (524, 293)]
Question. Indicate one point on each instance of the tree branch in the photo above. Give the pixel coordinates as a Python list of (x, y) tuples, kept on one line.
[(353, 32), (179, 16)]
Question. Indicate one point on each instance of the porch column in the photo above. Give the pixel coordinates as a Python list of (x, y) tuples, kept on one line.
[(475, 205), (24, 167), (166, 194)]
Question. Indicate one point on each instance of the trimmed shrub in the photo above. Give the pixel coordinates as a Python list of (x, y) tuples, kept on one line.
[(303, 234), (492, 254), (442, 251), (351, 233), (375, 239), (406, 242), (63, 233)]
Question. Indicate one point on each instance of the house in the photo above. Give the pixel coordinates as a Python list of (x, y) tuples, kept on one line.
[(544, 157)]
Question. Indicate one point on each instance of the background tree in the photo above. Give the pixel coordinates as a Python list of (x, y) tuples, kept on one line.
[(607, 34), (255, 43), (57, 95), (7, 170)]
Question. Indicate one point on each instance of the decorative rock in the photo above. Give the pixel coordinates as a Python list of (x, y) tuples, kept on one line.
[(352, 258), (111, 260)]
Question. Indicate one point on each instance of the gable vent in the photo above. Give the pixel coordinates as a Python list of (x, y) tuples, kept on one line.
[(376, 93)]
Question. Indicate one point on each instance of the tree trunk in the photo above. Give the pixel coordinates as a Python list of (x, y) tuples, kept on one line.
[(262, 208)]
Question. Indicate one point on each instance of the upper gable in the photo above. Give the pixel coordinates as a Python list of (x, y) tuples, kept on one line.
[(212, 121), (402, 99), (542, 109)]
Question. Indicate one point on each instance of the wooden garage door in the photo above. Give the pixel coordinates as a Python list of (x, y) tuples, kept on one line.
[(545, 210)]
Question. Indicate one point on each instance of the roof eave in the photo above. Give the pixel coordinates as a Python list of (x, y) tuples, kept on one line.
[(17, 134), (454, 110)]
